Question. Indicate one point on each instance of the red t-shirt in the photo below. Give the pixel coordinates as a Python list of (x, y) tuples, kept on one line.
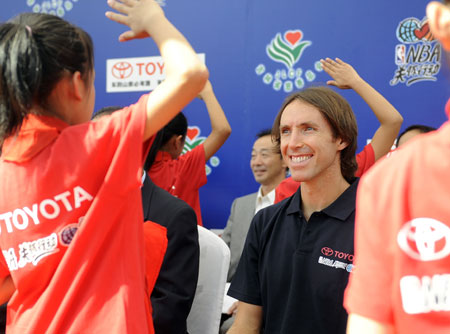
[(364, 159), (155, 239), (71, 229), (181, 177), (402, 238)]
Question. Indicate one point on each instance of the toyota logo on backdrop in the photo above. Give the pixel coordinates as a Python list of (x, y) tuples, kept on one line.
[(425, 239), (122, 70)]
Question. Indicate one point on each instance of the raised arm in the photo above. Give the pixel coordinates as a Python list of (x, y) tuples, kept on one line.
[(345, 77), (248, 319), (220, 128), (185, 73)]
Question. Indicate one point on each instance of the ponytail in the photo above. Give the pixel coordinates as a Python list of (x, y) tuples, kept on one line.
[(20, 76), (36, 52)]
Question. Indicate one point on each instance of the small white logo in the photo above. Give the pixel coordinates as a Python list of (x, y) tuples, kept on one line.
[(31, 252), (335, 264), (425, 239)]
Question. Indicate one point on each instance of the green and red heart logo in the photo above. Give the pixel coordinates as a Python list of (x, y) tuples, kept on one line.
[(293, 36), (193, 138)]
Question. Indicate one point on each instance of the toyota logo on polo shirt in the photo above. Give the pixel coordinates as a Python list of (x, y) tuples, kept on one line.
[(425, 239), (327, 251)]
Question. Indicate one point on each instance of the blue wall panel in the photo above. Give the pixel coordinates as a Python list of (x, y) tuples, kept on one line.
[(234, 36)]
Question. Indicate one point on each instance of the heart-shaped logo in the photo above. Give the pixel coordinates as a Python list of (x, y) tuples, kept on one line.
[(423, 31), (192, 132), (293, 36)]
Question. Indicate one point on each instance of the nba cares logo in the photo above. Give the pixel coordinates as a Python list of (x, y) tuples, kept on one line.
[(193, 139), (412, 30), (418, 57), (54, 7), (425, 239), (287, 49)]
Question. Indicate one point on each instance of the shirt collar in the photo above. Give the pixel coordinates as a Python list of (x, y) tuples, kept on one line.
[(340, 209), (270, 196), (35, 134), (163, 156)]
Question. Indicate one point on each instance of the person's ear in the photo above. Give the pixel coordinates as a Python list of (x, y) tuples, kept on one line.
[(172, 143), (78, 86), (180, 142), (439, 21), (341, 144)]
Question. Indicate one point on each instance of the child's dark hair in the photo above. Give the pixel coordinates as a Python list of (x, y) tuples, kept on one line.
[(418, 127), (36, 51), (176, 127), (105, 111)]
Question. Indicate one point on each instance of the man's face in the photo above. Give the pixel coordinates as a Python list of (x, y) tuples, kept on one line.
[(266, 163), (307, 144)]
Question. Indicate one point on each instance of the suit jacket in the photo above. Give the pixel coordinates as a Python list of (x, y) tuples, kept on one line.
[(235, 233), (175, 286)]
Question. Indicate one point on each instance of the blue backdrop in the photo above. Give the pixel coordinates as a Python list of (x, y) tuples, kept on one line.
[(258, 51)]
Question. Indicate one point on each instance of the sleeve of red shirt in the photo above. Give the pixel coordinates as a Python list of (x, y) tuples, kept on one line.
[(286, 189), (107, 136), (192, 165), (370, 286), (4, 271), (155, 237), (365, 159)]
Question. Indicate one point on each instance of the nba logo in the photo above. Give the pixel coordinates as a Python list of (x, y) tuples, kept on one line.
[(400, 54)]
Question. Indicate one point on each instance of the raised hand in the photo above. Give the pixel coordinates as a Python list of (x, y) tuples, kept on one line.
[(140, 15), (344, 75)]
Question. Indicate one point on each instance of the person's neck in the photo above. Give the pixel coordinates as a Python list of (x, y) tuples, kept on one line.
[(268, 187), (167, 150), (319, 193)]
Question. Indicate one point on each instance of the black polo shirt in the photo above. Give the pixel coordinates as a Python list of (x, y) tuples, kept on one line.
[(298, 270)]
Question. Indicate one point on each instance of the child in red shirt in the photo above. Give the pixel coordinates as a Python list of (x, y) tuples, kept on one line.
[(402, 231), (183, 175), (71, 229)]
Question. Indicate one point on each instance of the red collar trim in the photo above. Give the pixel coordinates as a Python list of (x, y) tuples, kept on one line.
[(163, 156), (35, 134)]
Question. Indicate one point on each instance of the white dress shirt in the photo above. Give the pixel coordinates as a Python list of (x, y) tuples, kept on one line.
[(264, 201)]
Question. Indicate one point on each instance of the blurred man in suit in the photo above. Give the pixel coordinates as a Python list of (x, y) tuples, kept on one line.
[(269, 170)]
